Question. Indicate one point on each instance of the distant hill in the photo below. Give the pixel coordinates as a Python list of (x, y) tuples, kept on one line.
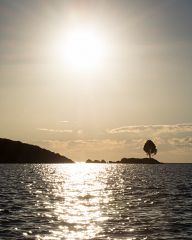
[(18, 152)]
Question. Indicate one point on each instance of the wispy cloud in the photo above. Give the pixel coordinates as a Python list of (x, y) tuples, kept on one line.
[(172, 128), (93, 143), (181, 142), (64, 121), (55, 130), (89, 146)]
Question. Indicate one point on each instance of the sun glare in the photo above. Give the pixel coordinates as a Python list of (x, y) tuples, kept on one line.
[(81, 48)]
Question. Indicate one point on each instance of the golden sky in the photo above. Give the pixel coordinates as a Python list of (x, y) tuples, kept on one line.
[(96, 79)]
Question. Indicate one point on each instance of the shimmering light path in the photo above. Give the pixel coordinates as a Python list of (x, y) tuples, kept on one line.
[(95, 201)]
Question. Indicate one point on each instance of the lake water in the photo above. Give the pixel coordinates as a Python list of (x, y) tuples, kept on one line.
[(96, 201)]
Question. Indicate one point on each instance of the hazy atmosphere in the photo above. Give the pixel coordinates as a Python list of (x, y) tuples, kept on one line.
[(96, 79)]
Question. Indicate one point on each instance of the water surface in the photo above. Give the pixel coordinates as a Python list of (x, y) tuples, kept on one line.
[(96, 201)]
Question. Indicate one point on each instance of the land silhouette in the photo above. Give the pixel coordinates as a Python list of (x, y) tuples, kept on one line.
[(128, 161), (18, 152)]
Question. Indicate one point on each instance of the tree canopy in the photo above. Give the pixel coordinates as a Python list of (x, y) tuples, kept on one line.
[(150, 148)]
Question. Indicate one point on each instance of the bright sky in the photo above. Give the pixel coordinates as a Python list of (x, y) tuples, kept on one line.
[(96, 79)]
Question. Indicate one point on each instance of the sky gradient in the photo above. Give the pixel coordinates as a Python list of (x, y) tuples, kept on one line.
[(141, 90)]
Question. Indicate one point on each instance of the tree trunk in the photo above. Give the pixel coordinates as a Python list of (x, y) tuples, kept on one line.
[(149, 154)]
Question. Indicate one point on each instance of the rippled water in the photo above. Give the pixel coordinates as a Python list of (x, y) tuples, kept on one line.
[(96, 201)]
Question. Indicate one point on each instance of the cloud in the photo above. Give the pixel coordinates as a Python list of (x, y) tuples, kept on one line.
[(181, 142), (64, 121), (55, 130), (88, 145), (158, 129), (96, 143)]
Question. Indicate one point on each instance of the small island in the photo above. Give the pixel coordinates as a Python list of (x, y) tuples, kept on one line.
[(18, 152), (95, 161), (149, 148), (128, 161)]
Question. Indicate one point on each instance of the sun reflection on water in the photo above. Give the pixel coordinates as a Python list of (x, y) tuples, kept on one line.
[(77, 208)]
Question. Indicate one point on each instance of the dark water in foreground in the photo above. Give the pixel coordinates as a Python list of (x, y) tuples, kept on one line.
[(96, 201)]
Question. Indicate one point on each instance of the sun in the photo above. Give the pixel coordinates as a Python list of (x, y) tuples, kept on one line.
[(81, 48), (84, 48)]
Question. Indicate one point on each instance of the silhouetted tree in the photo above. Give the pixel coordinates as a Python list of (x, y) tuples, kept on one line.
[(150, 148)]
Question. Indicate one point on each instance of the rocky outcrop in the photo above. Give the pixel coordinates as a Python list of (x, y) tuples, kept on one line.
[(95, 161)]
